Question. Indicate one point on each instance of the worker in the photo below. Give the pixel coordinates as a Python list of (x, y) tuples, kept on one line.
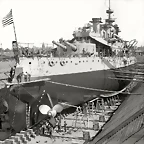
[(59, 124), (50, 131), (12, 72), (27, 51), (29, 76), (85, 109), (65, 126), (25, 76), (19, 77), (34, 118)]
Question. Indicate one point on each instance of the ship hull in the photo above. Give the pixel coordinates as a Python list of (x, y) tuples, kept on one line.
[(71, 87), (74, 89)]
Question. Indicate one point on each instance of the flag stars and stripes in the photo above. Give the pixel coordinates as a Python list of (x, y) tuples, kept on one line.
[(8, 19)]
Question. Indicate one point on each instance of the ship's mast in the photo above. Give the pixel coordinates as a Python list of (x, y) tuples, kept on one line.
[(109, 12), (109, 9)]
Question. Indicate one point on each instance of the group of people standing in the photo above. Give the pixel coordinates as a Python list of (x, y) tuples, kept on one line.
[(26, 76), (20, 77), (53, 124), (31, 52)]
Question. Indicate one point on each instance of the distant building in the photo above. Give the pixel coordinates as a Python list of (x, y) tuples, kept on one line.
[(140, 50)]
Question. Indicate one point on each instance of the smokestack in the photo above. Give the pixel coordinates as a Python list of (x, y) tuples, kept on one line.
[(96, 24)]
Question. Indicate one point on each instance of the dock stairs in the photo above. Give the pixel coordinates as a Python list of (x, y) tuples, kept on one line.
[(20, 138)]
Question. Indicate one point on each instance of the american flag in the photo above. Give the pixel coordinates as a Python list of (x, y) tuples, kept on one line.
[(8, 19)]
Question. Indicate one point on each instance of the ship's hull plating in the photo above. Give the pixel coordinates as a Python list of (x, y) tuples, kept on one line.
[(81, 87)]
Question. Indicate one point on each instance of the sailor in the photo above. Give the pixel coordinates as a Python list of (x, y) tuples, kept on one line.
[(25, 76), (84, 51), (12, 72), (38, 52), (34, 118), (29, 76), (65, 126), (9, 79), (59, 124), (27, 51), (32, 53), (19, 77), (85, 109), (50, 130), (43, 130), (23, 52), (47, 126)]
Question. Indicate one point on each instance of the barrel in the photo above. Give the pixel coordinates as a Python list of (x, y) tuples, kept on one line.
[(95, 125), (86, 135), (102, 118)]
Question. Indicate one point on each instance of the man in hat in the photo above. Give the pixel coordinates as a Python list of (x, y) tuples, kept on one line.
[(19, 77)]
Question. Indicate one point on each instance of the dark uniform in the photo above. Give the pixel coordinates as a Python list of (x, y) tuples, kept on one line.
[(12, 74), (19, 77), (65, 126), (59, 124)]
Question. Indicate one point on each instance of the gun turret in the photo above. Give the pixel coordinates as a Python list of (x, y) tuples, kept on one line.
[(73, 47), (60, 45)]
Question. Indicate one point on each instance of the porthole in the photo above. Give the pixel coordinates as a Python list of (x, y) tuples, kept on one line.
[(29, 62)]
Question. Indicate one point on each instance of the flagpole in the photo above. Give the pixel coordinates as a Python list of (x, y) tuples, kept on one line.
[(15, 37), (14, 29)]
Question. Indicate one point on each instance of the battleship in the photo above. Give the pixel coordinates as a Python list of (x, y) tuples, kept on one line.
[(90, 65)]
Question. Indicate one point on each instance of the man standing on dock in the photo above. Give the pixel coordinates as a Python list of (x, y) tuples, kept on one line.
[(65, 126), (12, 73), (19, 77), (59, 124)]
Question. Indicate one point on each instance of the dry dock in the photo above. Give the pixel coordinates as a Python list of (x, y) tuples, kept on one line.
[(102, 124), (126, 125)]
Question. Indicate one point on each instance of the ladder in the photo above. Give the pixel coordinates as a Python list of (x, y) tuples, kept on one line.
[(78, 114)]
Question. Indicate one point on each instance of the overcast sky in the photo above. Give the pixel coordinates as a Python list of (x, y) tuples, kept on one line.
[(38, 21)]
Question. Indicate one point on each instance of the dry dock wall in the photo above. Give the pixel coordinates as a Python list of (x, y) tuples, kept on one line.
[(131, 108)]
